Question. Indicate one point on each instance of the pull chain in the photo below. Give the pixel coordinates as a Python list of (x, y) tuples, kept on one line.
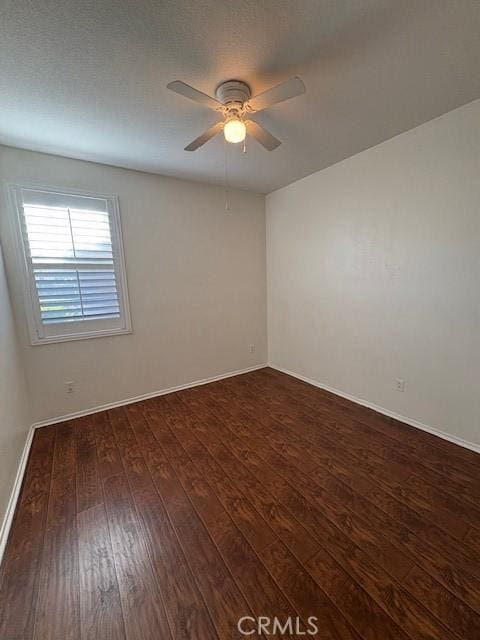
[(227, 204), (225, 179)]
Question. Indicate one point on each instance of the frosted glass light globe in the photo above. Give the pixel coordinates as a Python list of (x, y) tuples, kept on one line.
[(234, 131)]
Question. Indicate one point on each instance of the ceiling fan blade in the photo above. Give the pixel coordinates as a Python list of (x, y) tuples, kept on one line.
[(262, 135), (205, 137), (283, 91), (193, 94)]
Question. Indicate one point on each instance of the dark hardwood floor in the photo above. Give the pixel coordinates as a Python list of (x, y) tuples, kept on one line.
[(255, 496)]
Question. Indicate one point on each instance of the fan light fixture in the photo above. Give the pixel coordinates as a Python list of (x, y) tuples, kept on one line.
[(234, 130), (235, 105)]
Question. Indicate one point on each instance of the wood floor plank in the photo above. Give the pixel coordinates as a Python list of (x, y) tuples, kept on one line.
[(363, 613), (325, 455), (297, 539), (309, 599), (426, 549), (258, 588), (371, 540), (100, 608), (19, 577), (223, 598), (57, 615), (40, 459), (455, 615), (185, 606), (142, 605), (403, 433), (109, 462), (438, 502), (447, 575), (186, 609), (351, 433), (397, 602), (131, 456), (472, 537), (250, 522), (89, 488), (335, 409), (258, 495), (435, 465), (287, 528)]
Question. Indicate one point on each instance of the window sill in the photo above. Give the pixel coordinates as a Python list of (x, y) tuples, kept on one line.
[(85, 335)]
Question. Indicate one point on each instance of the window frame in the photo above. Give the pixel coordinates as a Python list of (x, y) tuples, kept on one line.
[(72, 330)]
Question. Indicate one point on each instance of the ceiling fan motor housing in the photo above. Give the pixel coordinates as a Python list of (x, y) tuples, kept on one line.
[(233, 91)]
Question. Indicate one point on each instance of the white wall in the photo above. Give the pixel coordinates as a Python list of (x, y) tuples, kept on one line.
[(14, 413), (374, 274), (196, 278)]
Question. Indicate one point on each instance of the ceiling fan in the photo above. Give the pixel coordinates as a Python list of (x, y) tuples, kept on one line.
[(234, 102)]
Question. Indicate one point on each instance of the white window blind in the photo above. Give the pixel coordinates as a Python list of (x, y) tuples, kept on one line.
[(72, 247)]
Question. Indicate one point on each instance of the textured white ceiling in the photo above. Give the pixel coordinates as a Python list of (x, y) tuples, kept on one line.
[(87, 78)]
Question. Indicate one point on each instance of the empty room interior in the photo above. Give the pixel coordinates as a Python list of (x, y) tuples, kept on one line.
[(240, 319)]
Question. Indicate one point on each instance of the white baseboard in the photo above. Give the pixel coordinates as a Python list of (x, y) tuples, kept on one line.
[(17, 485), (12, 503), (386, 412), (145, 396)]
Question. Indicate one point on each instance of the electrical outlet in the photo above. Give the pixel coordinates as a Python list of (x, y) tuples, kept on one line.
[(400, 385), (70, 387), (252, 348)]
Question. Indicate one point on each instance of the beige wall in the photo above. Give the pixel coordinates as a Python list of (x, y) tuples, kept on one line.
[(14, 413), (196, 278), (374, 274)]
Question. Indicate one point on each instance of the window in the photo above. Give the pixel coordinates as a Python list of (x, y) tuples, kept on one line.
[(74, 265)]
